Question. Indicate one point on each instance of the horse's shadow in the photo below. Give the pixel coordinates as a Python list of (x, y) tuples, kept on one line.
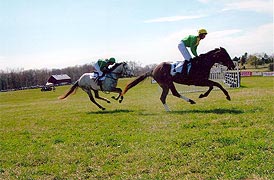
[(206, 111), (116, 111), (214, 111)]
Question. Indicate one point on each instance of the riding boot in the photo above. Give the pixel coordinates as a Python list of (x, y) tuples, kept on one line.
[(97, 79), (100, 83), (185, 68), (188, 68)]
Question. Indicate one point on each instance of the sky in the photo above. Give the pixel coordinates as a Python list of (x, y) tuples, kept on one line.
[(38, 34)]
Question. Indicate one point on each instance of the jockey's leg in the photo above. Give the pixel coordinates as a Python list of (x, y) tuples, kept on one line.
[(98, 70), (182, 48)]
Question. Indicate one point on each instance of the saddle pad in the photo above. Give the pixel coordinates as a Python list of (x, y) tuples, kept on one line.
[(176, 67), (179, 67), (94, 75)]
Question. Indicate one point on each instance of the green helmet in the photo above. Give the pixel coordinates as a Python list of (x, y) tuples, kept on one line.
[(112, 60)]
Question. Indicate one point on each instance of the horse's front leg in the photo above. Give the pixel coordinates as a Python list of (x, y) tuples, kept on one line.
[(206, 93), (92, 99), (211, 84), (96, 93), (223, 89), (119, 91)]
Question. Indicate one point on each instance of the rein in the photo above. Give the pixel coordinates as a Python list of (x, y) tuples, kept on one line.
[(117, 73)]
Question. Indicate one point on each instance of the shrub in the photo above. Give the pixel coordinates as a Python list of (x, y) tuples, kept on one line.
[(270, 67)]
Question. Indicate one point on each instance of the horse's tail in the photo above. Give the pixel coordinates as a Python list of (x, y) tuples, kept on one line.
[(72, 90), (136, 81)]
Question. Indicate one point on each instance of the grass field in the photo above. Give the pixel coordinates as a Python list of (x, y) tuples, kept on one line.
[(45, 138)]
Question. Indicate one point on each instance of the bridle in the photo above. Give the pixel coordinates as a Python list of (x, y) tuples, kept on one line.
[(109, 75)]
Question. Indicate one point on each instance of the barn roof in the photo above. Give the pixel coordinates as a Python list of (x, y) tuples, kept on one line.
[(61, 78)]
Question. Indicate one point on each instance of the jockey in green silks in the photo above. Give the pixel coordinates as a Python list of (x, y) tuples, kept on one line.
[(192, 42), (102, 67)]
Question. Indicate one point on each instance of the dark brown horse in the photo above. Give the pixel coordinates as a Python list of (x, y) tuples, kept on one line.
[(198, 75)]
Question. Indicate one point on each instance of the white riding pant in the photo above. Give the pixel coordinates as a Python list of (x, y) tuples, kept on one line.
[(182, 48), (100, 73), (97, 68)]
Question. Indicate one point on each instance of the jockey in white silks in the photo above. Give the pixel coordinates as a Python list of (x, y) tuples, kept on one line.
[(192, 42), (102, 67)]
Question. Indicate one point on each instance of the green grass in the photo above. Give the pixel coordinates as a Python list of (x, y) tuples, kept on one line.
[(45, 138)]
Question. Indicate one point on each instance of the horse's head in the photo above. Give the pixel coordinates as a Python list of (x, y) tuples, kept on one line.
[(223, 58), (122, 69), (126, 70)]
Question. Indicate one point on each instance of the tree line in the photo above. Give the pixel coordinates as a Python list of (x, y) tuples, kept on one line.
[(255, 60), (25, 79), (19, 79)]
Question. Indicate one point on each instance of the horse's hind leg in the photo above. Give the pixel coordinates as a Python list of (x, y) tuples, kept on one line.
[(96, 93), (92, 99), (175, 93), (163, 97)]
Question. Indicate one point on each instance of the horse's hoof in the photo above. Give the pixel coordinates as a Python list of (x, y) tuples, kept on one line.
[(192, 102), (201, 96), (103, 108), (121, 99), (113, 97), (228, 98), (108, 101)]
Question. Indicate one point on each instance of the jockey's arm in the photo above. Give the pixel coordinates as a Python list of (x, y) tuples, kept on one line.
[(194, 50), (105, 70)]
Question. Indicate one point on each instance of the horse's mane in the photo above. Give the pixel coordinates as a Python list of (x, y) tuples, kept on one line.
[(209, 53), (203, 63), (204, 57), (212, 51)]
